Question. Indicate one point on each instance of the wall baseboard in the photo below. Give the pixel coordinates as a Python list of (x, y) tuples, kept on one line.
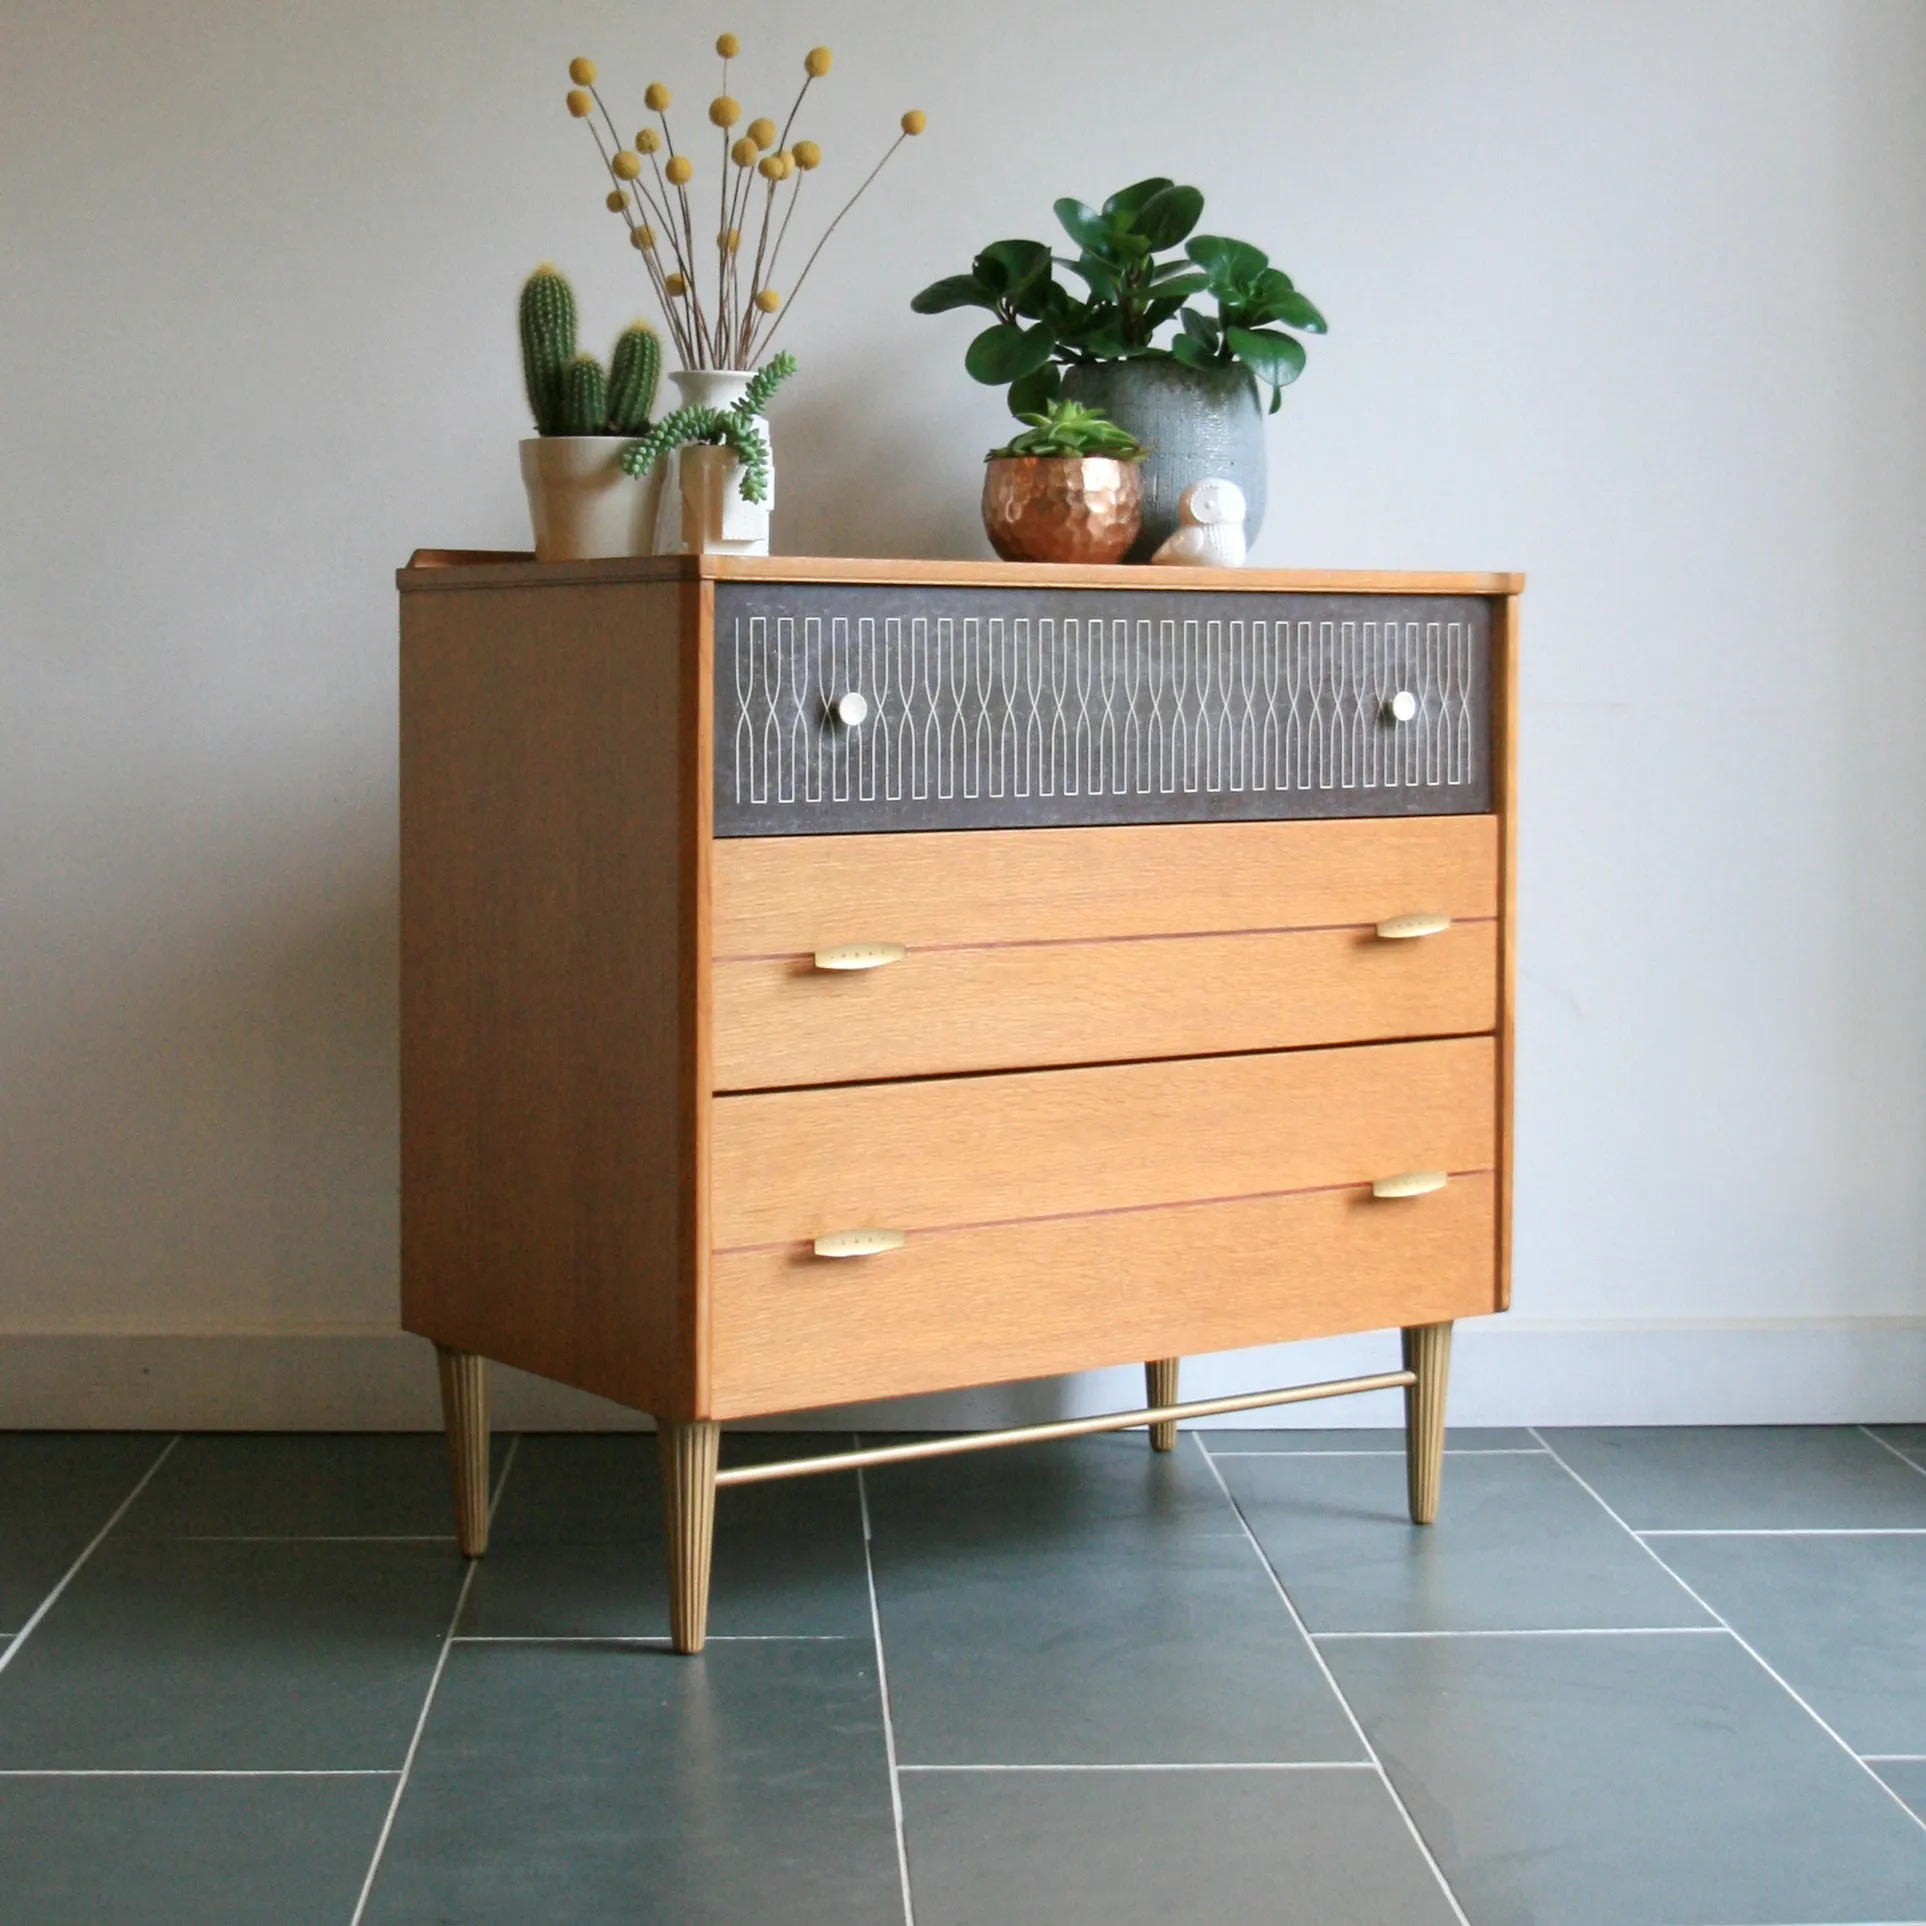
[(1505, 1372)]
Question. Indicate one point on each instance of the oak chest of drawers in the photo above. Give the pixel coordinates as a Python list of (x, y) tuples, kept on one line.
[(835, 980)]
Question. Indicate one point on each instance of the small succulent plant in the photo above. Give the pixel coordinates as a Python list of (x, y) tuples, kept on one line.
[(733, 428), (1067, 428)]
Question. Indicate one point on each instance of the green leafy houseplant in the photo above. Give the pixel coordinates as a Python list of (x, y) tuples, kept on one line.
[(733, 428), (1068, 429), (1133, 285)]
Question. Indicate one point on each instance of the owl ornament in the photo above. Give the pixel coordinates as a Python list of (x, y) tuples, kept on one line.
[(1210, 527)]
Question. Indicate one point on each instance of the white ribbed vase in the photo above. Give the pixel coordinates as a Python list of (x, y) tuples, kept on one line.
[(700, 509)]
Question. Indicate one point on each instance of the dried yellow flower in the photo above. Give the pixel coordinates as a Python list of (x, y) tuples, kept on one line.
[(625, 166), (724, 112), (647, 140), (762, 132), (582, 71), (642, 235), (616, 202), (744, 152), (580, 104), (771, 167), (808, 155), (680, 170), (655, 97), (729, 237), (915, 121), (675, 286), (816, 62), (728, 46), (768, 300)]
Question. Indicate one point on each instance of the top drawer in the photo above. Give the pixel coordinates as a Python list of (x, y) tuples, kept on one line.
[(987, 708)]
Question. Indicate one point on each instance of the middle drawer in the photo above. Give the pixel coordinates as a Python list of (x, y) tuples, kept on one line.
[(1031, 947), (793, 1165)]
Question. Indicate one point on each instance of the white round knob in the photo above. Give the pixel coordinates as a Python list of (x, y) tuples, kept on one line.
[(1402, 707), (852, 710)]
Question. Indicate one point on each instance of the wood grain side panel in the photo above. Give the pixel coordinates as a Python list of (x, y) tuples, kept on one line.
[(1023, 1300), (548, 961), (789, 896), (797, 1164), (782, 1021), (1504, 745)]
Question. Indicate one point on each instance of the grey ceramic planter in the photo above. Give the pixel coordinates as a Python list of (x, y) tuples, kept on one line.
[(1194, 421)]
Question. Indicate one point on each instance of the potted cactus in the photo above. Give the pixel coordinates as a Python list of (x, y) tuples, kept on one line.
[(581, 499)]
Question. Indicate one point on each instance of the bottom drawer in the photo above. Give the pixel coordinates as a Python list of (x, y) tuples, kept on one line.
[(1017, 1300)]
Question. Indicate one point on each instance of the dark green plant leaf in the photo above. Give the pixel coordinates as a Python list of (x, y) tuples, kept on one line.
[(1275, 358), (1179, 280), (1271, 285), (1191, 352), (1127, 200), (1084, 225), (953, 291), (1230, 264), (1168, 216), (1159, 311), (1292, 310), (1131, 247), (1007, 267), (1034, 392), (1200, 328), (1004, 353), (1100, 276)]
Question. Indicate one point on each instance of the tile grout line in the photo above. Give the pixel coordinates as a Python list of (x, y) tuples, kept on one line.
[(197, 1772), (1739, 1639), (1397, 1452), (93, 1544), (1893, 1758), (314, 1538), (882, 1687), (1549, 1631), (1913, 1463), (652, 1638), (1169, 1765), (1330, 1679), (428, 1699), (1788, 1531)]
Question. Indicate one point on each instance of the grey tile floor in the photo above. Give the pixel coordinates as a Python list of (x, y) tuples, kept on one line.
[(1630, 1678)]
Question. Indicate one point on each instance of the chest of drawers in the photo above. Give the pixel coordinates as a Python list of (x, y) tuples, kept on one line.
[(833, 980)]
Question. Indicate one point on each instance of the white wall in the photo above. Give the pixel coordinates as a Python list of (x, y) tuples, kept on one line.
[(1632, 297)]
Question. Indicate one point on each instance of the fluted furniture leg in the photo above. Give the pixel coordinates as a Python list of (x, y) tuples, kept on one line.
[(1427, 1353), (464, 1410), (1160, 1386), (688, 1456)]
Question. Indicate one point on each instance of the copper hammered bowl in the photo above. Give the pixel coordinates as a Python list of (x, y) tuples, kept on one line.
[(1062, 508)]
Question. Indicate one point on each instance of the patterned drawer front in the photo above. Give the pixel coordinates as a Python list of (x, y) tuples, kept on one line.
[(987, 708)]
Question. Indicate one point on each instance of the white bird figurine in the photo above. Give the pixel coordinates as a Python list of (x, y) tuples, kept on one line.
[(1210, 527)]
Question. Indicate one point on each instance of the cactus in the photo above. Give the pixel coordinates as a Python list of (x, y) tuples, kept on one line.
[(634, 369), (548, 345), (585, 397)]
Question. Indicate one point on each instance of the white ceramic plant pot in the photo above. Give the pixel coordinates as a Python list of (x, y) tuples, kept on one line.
[(580, 501), (700, 508)]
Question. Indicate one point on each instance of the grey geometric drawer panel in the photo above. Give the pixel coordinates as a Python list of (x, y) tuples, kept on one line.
[(994, 708)]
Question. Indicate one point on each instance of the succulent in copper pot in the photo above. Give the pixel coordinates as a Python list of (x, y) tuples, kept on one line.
[(1069, 489)]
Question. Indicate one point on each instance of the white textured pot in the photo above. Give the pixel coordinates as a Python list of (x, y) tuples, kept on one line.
[(700, 507), (581, 502)]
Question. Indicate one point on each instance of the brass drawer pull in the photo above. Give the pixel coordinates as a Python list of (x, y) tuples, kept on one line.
[(859, 1243), (1399, 929), (860, 956), (1409, 1183)]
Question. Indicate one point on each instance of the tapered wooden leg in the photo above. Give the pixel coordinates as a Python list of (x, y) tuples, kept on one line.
[(464, 1410), (1160, 1383), (688, 1456), (1427, 1352)]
